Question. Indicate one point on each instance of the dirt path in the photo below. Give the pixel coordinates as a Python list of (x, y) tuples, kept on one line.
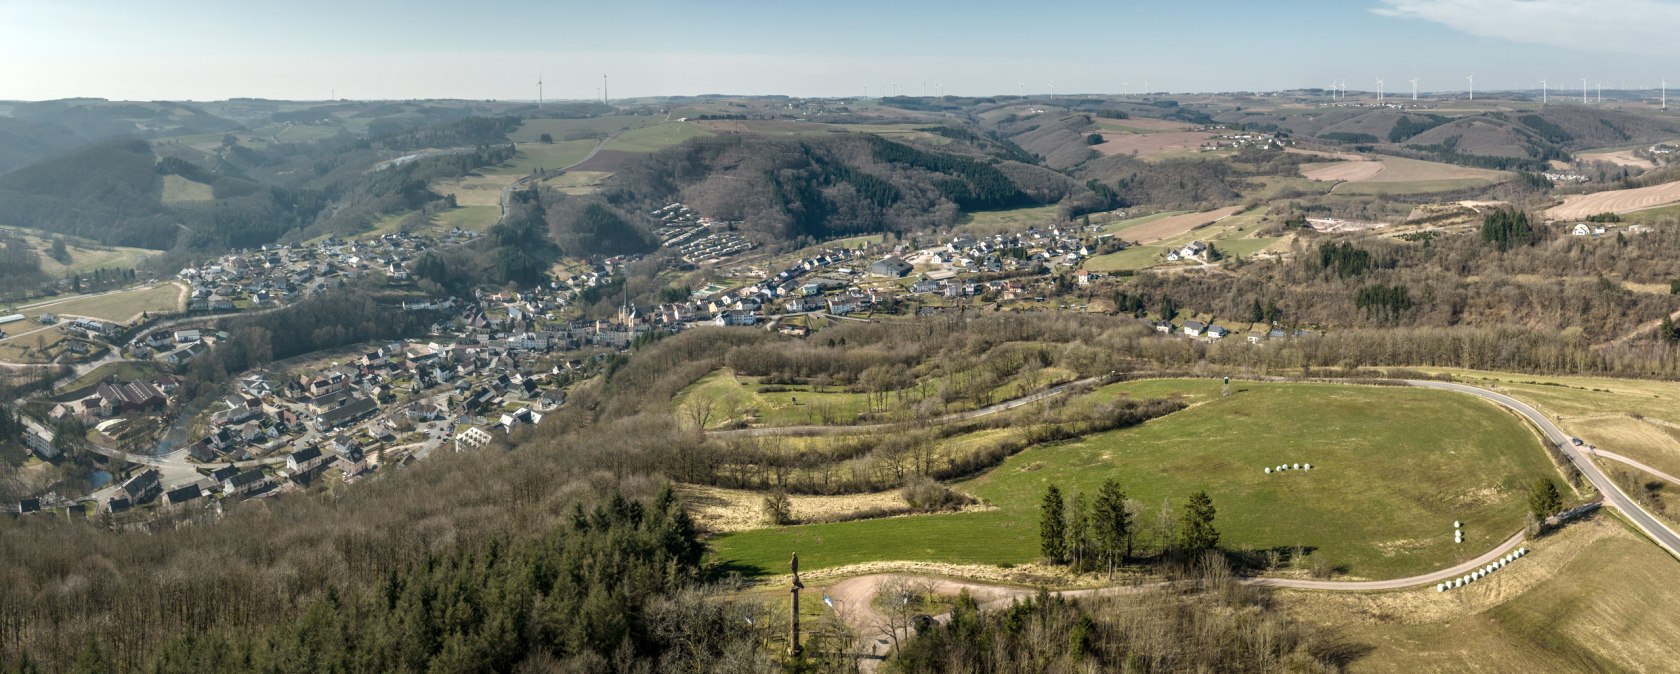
[(1622, 459)]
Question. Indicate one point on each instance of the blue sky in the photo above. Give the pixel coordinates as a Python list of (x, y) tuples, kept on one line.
[(197, 49)]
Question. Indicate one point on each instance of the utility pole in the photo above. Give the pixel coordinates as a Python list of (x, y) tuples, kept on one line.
[(794, 649)]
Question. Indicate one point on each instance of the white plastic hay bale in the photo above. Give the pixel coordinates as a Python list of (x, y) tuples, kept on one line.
[(1457, 524), (1440, 587), (1268, 471), (1306, 466), (1295, 467)]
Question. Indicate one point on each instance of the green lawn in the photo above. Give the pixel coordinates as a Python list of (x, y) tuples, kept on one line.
[(648, 139), (733, 398), (1134, 257), (1393, 468), (1651, 215), (1013, 220)]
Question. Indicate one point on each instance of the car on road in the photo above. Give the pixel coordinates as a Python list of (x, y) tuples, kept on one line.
[(1575, 441)]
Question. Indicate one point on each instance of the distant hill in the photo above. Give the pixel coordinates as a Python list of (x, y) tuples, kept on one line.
[(108, 191), (788, 188)]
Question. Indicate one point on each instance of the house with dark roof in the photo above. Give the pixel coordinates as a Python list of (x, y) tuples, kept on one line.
[(243, 483), (183, 495), (143, 487), (890, 266), (345, 414)]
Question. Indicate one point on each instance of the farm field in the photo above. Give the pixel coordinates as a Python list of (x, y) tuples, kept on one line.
[(119, 307), (1353, 508), (475, 218), (1579, 206), (1573, 397), (547, 156), (1651, 215), (1582, 601), (1412, 176), (1349, 171), (1168, 227), (1618, 157), (651, 138), (986, 223), (1147, 145), (531, 130)]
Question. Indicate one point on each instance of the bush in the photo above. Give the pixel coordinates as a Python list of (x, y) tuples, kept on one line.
[(778, 508), (928, 496)]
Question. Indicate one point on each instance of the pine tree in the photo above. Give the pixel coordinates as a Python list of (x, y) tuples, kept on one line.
[(1544, 499), (1196, 532), (1111, 524), (1667, 332), (1052, 526)]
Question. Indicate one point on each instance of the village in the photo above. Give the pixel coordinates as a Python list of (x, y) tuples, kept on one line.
[(498, 361)]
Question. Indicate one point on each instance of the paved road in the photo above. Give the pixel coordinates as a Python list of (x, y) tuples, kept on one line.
[(1622, 459), (936, 421), (1613, 496)]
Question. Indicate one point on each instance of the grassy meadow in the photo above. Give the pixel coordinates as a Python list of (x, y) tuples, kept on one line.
[(1389, 478)]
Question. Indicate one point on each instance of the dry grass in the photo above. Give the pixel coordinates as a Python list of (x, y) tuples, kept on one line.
[(1348, 171), (720, 510), (1146, 145), (1643, 441), (1583, 601), (1575, 401), (1622, 158), (1168, 227), (1579, 206), (125, 306)]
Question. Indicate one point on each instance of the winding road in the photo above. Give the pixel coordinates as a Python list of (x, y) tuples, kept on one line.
[(1655, 529)]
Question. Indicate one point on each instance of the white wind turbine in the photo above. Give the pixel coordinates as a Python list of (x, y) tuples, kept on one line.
[(1542, 92), (1472, 80), (1414, 88), (1665, 93), (1583, 91), (1379, 91), (1052, 88)]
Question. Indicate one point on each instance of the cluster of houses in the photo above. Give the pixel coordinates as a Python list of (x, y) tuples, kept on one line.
[(1245, 139), (697, 238), (280, 273), (1213, 332), (1601, 229)]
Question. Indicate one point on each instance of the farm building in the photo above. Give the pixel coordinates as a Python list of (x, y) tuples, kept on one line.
[(10, 318)]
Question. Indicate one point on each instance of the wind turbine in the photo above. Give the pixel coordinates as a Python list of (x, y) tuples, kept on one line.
[(1472, 80), (1583, 91), (1414, 88), (604, 97), (539, 91), (1542, 92), (1600, 93), (941, 89), (1052, 88), (1379, 91), (1021, 89), (1665, 93)]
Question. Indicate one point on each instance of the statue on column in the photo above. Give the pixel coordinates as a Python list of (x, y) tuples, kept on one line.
[(793, 640)]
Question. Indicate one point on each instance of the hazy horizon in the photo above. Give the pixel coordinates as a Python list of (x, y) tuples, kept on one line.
[(314, 50)]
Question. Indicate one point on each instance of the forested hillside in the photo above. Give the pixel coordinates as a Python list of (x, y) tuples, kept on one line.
[(813, 188)]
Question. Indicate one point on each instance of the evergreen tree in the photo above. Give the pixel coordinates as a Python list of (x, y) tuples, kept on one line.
[(1196, 532), (1111, 524), (1079, 528), (1052, 526), (1544, 499), (1666, 332)]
